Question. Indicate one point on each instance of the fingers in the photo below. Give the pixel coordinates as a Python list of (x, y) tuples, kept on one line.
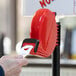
[(22, 62), (17, 60), (18, 57)]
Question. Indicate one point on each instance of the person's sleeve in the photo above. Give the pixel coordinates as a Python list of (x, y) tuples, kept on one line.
[(1, 71)]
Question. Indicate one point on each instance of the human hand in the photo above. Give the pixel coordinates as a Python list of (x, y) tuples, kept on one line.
[(12, 65)]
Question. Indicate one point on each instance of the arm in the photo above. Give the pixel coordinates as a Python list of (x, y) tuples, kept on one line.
[(1, 71)]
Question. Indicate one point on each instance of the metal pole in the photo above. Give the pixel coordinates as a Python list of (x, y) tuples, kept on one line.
[(56, 57)]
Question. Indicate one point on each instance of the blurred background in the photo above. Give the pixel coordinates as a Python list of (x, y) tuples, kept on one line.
[(15, 24)]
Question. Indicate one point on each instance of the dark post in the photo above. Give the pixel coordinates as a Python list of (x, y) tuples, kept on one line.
[(1, 45), (56, 56)]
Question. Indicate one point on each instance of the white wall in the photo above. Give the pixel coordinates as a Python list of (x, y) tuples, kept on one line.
[(59, 6), (46, 71), (7, 19)]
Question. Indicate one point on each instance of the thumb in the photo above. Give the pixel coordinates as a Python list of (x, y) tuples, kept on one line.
[(22, 62)]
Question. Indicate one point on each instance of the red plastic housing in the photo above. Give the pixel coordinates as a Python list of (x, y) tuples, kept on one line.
[(44, 28)]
